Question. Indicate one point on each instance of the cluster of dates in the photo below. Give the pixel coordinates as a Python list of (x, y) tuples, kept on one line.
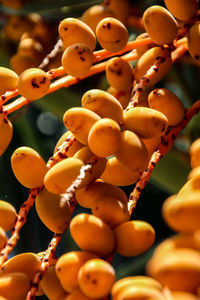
[(115, 143), (175, 262)]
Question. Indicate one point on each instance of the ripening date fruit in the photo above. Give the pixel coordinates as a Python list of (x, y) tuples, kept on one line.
[(30, 47), (28, 167), (122, 96), (195, 153), (6, 133), (28, 263), (104, 138), (76, 145), (116, 173), (133, 237), (14, 286), (94, 14), (72, 30), (147, 60), (77, 59), (14, 4), (152, 144), (111, 34), (156, 19), (167, 103), (33, 83), (194, 42), (179, 295), (71, 261), (120, 8), (146, 122), (142, 282), (20, 62), (141, 50), (51, 285), (182, 9), (182, 212), (179, 269), (87, 195), (48, 208), (8, 215), (103, 104), (132, 152), (16, 26), (84, 228), (96, 278), (85, 155), (8, 79), (62, 175), (140, 292), (79, 121), (78, 294), (111, 210), (3, 238), (119, 73)]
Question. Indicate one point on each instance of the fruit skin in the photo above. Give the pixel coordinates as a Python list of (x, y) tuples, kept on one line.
[(120, 8), (96, 278), (28, 167), (103, 104), (167, 103), (116, 173), (6, 133), (8, 215), (77, 59), (179, 269), (156, 19), (77, 294), (132, 152), (179, 295), (3, 238), (195, 153), (51, 285), (139, 292), (85, 155), (111, 34), (119, 74), (76, 145), (133, 237), (182, 10), (33, 83), (92, 234), (94, 14), (181, 212), (134, 281), (14, 286), (72, 30), (194, 42), (147, 60), (55, 217), (87, 195), (62, 175), (28, 263), (111, 210), (8, 79), (104, 138), (71, 261), (79, 121), (145, 122)]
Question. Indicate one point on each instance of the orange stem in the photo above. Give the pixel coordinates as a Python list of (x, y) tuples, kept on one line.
[(21, 219), (163, 147), (64, 82)]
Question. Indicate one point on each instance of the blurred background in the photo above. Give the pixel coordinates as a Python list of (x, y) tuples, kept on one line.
[(39, 125)]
